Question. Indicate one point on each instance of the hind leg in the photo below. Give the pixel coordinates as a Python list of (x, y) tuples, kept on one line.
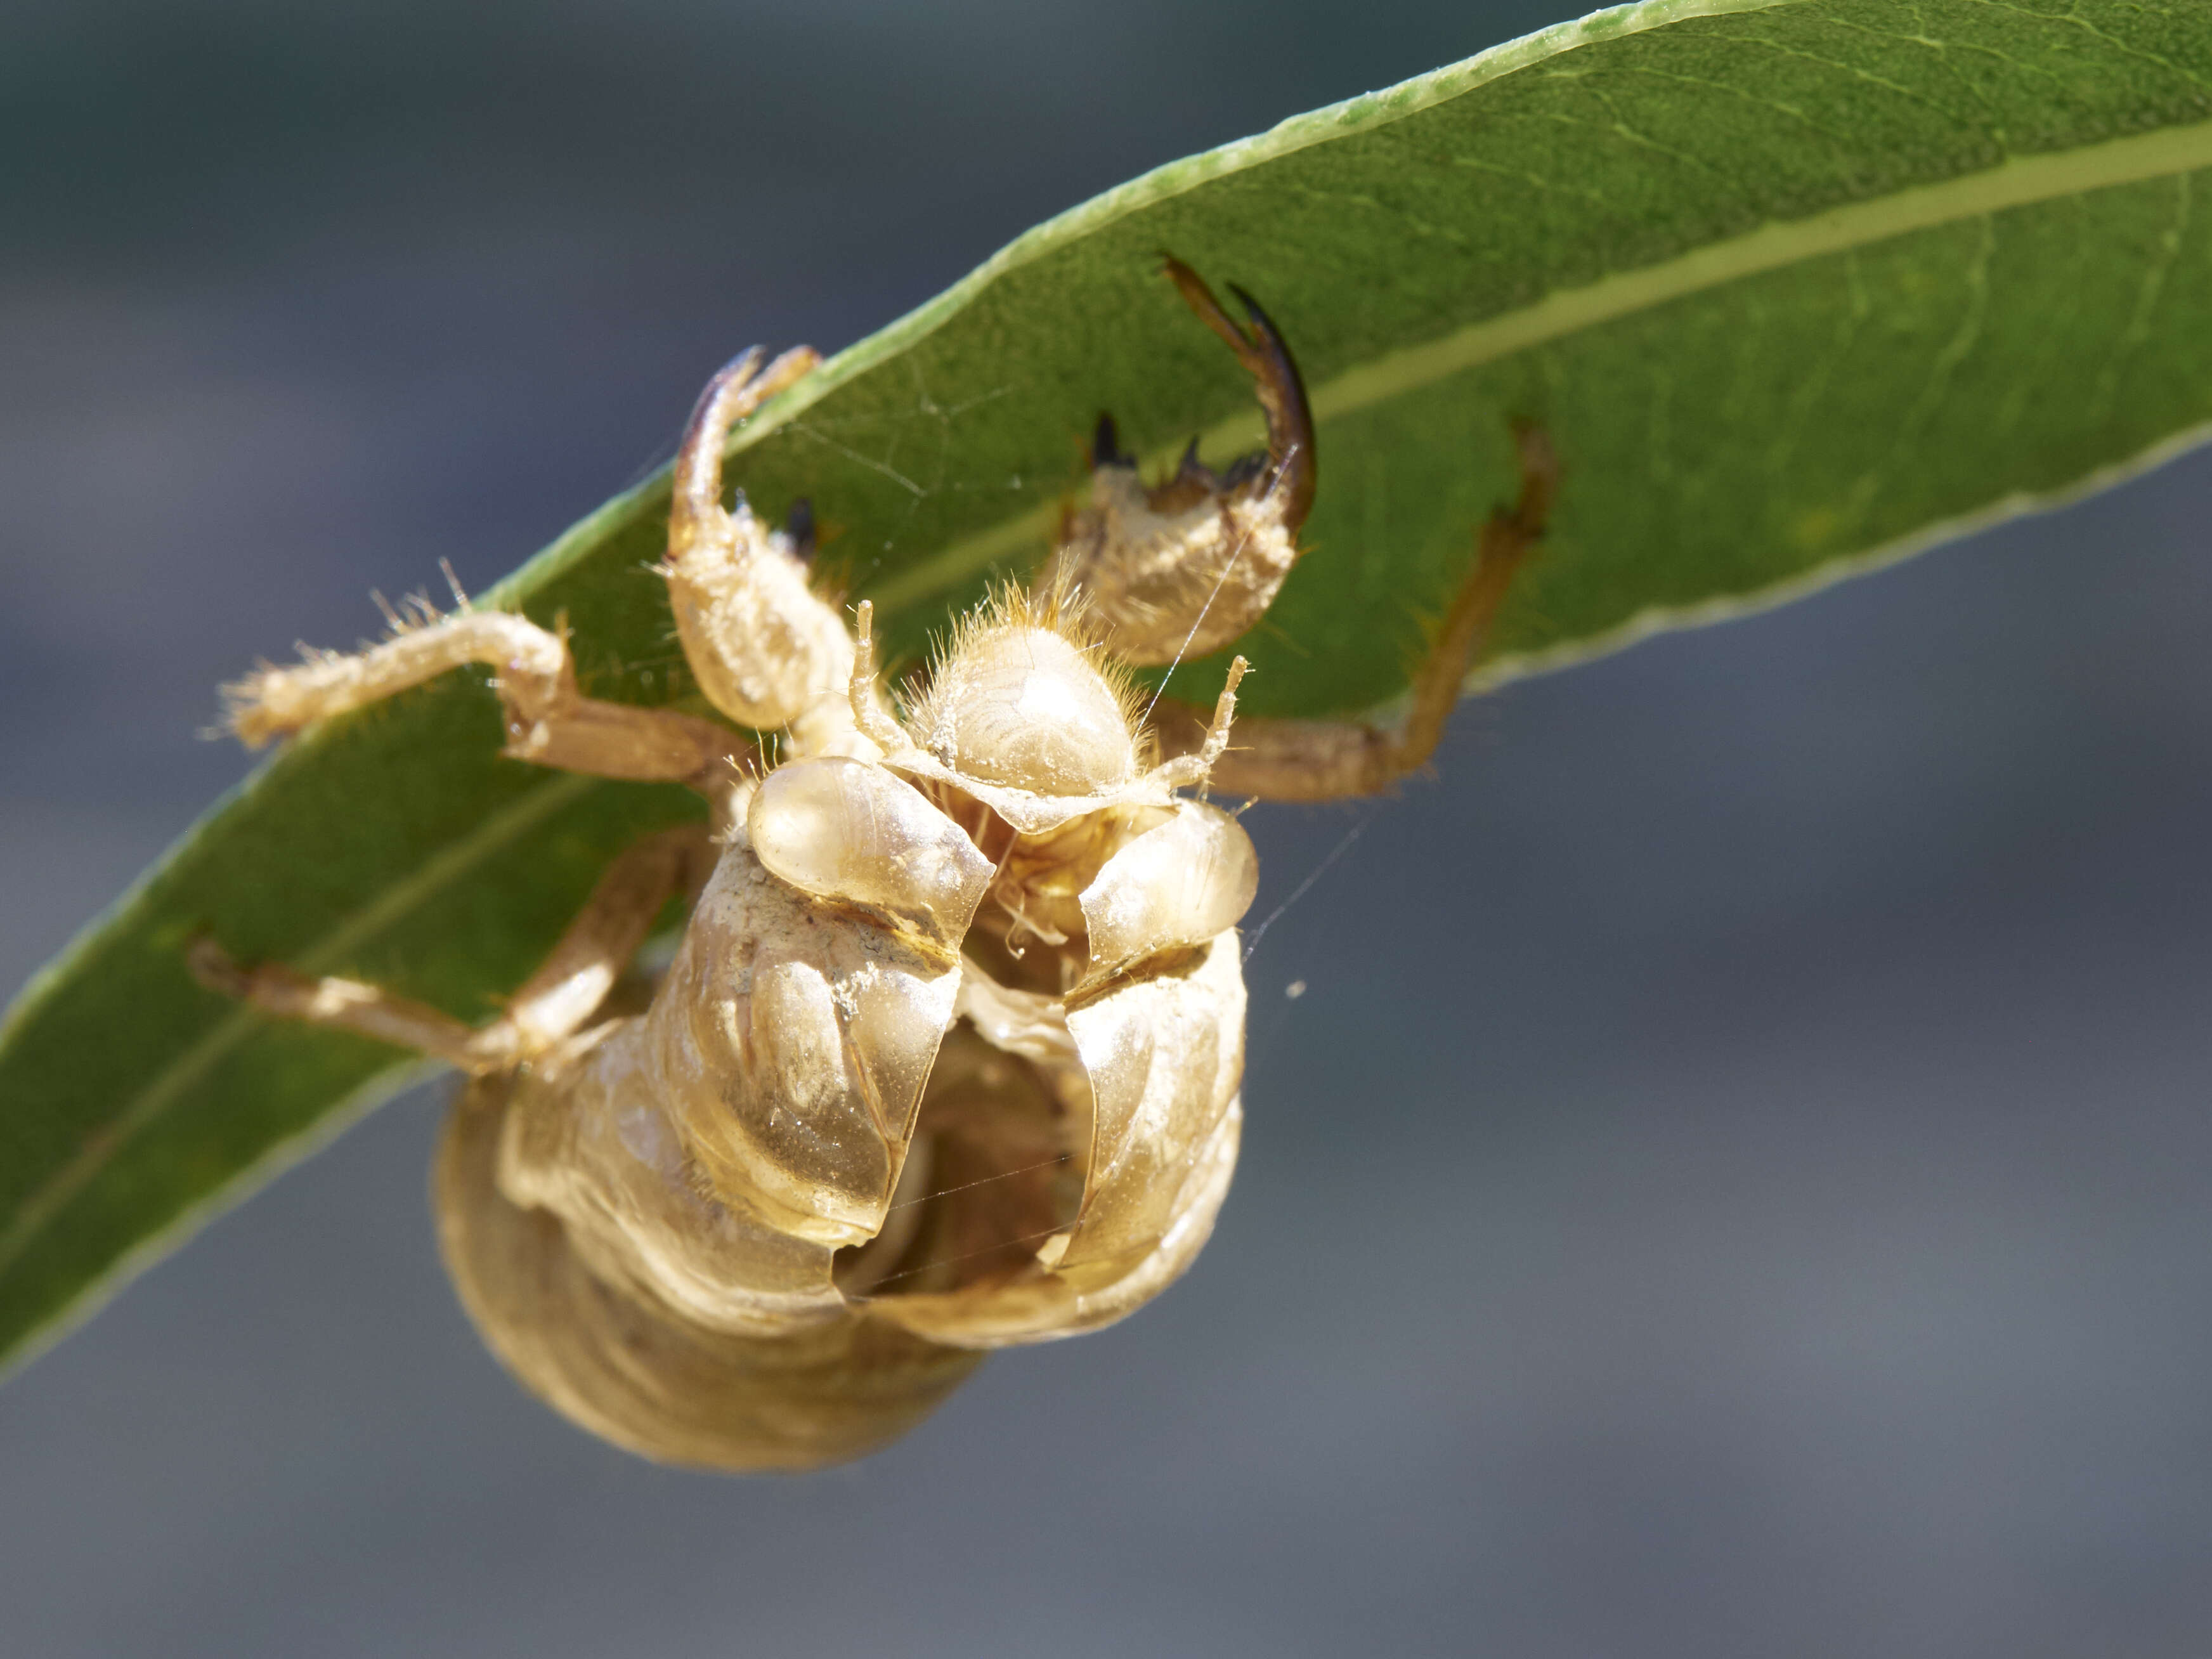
[(554, 1003)]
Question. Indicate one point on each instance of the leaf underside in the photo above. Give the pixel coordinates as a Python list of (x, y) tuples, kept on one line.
[(1795, 288)]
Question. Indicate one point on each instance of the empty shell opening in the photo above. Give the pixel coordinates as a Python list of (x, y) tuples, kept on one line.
[(995, 1173)]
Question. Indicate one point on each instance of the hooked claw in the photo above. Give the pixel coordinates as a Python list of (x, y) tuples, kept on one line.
[(799, 528), (1106, 446), (1289, 464)]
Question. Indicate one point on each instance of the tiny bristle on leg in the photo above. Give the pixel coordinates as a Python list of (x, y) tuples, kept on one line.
[(275, 703), (532, 665)]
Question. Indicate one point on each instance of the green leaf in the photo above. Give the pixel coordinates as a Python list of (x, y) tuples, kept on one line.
[(1796, 289)]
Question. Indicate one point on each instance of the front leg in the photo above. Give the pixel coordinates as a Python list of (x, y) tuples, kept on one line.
[(1331, 760), (767, 651), (1183, 567)]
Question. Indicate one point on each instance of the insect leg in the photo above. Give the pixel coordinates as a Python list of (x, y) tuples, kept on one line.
[(1182, 567), (1327, 760), (1275, 380), (553, 1003), (547, 720), (344, 1004), (569, 986), (767, 651)]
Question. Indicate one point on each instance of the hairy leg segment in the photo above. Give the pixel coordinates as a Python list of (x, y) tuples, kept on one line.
[(740, 594), (550, 722)]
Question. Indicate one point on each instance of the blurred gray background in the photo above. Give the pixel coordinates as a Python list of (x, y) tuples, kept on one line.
[(1738, 1182)]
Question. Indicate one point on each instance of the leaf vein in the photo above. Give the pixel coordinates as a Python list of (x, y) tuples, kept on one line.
[(2136, 332), (2096, 33), (1895, 87)]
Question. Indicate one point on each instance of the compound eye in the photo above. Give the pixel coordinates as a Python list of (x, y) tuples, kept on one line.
[(1023, 707), (842, 829)]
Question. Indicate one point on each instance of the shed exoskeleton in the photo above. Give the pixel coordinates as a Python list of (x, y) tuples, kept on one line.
[(948, 1055)]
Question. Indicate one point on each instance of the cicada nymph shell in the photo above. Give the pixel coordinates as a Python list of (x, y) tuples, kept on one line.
[(948, 1056), (947, 1059)]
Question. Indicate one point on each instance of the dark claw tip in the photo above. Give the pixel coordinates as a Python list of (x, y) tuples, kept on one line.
[(1106, 446), (1262, 323), (1244, 470), (799, 527)]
